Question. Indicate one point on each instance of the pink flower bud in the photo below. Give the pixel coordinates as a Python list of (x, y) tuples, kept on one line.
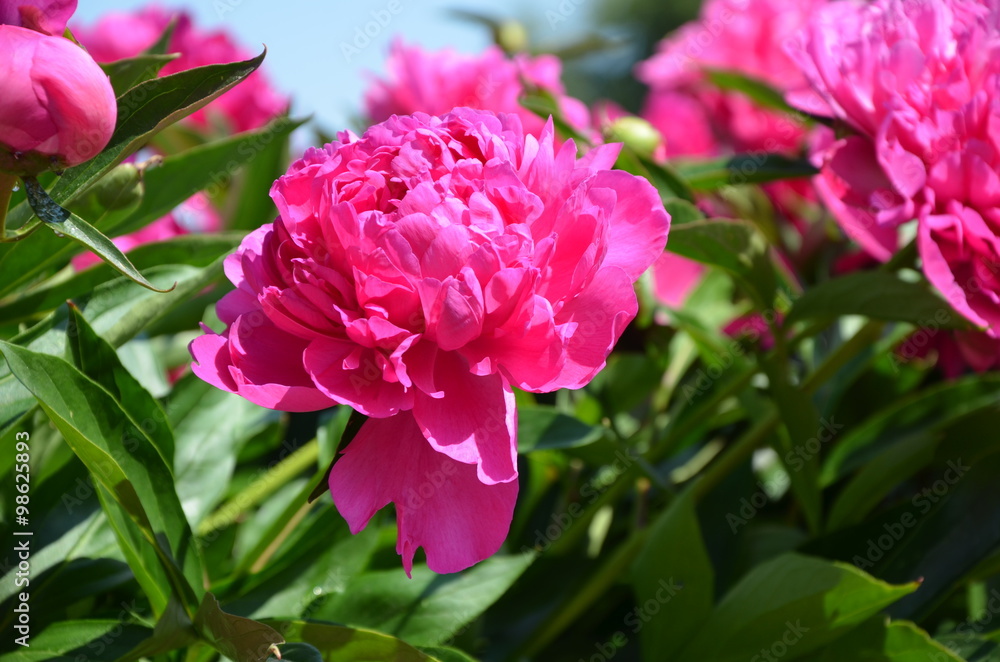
[(58, 108), (46, 16)]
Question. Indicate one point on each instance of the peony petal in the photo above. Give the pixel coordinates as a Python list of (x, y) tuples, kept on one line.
[(354, 376), (594, 321), (475, 421), (441, 505)]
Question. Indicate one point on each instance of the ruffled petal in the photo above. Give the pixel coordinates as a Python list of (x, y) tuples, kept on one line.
[(441, 505)]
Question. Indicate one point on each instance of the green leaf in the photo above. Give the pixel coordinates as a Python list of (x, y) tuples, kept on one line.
[(240, 639), (96, 359), (669, 184), (126, 74), (951, 527), (149, 107), (211, 427), (907, 421), (198, 250), (429, 608), (878, 640), (755, 89), (94, 639), (803, 602), (966, 644), (300, 652), (446, 654), (348, 644), (544, 428), (90, 237), (120, 456), (802, 422), (681, 212), (879, 477), (734, 246), (544, 104), (117, 310), (751, 168), (878, 295), (250, 205), (673, 575)]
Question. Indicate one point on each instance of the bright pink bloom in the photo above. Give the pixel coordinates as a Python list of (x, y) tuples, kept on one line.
[(416, 274), (739, 35), (57, 109), (752, 327), (919, 83), (674, 277), (249, 105), (194, 215), (45, 16), (434, 83)]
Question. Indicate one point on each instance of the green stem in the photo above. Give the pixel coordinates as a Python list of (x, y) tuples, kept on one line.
[(231, 511), (7, 184), (600, 581)]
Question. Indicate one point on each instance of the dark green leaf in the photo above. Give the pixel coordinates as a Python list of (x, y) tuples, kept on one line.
[(751, 168), (240, 639), (429, 608), (95, 358), (878, 295), (755, 89), (541, 428), (878, 640), (94, 639), (673, 580), (121, 457), (84, 233), (880, 476), (734, 246), (681, 212), (805, 603), (348, 644), (211, 427), (799, 450), (197, 250), (126, 74)]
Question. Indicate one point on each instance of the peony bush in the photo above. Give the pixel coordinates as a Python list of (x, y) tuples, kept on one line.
[(699, 367)]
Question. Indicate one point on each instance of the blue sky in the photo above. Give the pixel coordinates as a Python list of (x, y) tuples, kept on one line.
[(311, 45)]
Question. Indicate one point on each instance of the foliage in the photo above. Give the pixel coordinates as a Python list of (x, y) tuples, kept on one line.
[(816, 497)]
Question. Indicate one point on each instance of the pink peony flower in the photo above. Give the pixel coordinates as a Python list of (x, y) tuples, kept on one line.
[(45, 16), (194, 215), (738, 35), (675, 277), (58, 108), (417, 274), (435, 83), (919, 84), (955, 352), (249, 105)]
